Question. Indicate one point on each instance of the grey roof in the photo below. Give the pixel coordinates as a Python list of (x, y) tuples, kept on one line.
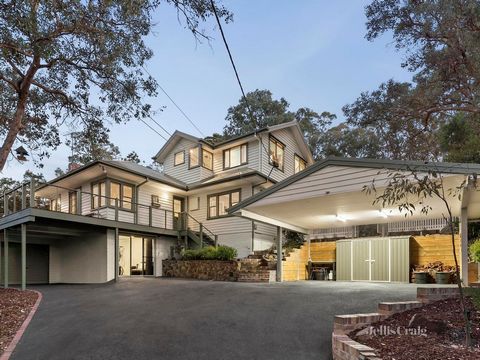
[(418, 166), (145, 171), (130, 167), (228, 175)]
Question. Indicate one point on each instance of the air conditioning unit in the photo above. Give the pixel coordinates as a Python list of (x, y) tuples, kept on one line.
[(156, 201), (274, 161)]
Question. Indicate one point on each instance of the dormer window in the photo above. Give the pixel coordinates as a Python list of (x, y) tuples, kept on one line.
[(300, 164), (194, 159), (207, 159), (276, 153), (179, 158), (235, 156)]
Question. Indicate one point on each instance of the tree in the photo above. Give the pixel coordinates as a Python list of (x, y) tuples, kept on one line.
[(75, 62), (346, 141), (386, 114), (459, 139), (92, 143), (441, 39), (133, 157), (405, 189), (260, 110)]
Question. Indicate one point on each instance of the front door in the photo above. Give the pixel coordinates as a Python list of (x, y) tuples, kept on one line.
[(178, 209)]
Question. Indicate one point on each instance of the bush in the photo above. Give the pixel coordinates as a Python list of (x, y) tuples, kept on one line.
[(474, 250), (226, 253), (221, 252)]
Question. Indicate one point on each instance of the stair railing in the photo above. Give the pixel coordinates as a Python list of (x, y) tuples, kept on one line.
[(203, 230)]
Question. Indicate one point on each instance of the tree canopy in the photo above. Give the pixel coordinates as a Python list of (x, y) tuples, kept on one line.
[(77, 62)]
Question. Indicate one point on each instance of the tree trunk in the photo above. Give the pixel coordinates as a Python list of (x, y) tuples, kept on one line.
[(14, 128)]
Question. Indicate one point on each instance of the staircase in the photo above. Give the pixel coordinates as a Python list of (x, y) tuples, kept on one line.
[(193, 230)]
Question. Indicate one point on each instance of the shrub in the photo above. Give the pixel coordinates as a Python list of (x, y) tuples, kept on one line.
[(210, 253), (226, 253), (474, 250)]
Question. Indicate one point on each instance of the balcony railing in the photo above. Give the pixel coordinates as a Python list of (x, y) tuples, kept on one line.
[(45, 196)]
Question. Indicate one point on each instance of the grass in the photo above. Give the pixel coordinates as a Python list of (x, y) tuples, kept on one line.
[(474, 293)]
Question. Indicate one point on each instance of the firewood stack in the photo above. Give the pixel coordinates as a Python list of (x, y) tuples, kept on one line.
[(432, 268)]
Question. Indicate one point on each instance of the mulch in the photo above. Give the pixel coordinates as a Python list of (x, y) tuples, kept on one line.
[(442, 332), (15, 305)]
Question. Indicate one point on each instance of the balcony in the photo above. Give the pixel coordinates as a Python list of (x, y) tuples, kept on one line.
[(57, 202)]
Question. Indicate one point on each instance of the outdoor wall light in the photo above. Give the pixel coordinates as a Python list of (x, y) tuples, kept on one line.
[(341, 218)]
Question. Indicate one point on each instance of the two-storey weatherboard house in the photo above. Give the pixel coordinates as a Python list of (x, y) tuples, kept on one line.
[(115, 218)]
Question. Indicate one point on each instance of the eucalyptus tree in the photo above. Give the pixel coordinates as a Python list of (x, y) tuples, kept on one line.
[(76, 61)]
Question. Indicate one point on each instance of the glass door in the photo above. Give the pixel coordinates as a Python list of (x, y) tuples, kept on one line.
[(178, 208), (135, 255)]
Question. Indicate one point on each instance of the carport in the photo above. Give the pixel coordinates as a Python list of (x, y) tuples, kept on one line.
[(328, 197)]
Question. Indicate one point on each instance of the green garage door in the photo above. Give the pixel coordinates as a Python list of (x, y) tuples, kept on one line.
[(374, 259), (37, 263)]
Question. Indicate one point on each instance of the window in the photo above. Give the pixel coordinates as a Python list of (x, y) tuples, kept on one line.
[(127, 196), (56, 204), (179, 158), (277, 150), (98, 195), (72, 202), (218, 204), (193, 157), (300, 164), (114, 193), (207, 159), (194, 203), (235, 156)]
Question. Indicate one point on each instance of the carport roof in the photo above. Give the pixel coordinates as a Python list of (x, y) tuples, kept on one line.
[(418, 166)]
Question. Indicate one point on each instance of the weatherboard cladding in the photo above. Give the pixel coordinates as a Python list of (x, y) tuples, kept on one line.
[(182, 172), (353, 165)]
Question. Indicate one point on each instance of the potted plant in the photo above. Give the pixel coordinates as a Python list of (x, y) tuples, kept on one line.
[(443, 277), (420, 277)]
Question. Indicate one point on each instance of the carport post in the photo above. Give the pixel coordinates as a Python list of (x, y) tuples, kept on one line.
[(279, 253), (117, 249), (24, 256), (464, 246), (5, 256)]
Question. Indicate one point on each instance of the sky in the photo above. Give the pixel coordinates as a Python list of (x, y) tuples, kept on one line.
[(311, 52)]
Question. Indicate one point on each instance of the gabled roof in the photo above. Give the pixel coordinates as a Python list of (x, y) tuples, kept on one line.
[(178, 135), (131, 168), (419, 166), (170, 144)]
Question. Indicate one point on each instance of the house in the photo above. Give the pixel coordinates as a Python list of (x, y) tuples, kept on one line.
[(115, 218), (360, 240)]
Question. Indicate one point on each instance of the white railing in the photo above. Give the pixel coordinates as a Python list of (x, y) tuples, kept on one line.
[(417, 225), (334, 232)]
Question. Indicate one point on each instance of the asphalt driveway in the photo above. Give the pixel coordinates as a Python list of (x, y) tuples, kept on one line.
[(182, 319)]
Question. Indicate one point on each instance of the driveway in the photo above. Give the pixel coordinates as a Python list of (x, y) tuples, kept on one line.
[(183, 319)]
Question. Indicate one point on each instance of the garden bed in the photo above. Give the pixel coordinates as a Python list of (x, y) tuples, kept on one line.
[(443, 336), (15, 305)]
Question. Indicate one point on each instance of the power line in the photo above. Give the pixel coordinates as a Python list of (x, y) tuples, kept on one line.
[(176, 105), (164, 138), (252, 118)]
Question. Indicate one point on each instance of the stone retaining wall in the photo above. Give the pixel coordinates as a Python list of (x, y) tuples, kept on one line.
[(242, 270), (201, 269), (344, 348)]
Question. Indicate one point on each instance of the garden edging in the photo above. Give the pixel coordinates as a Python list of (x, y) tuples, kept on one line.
[(344, 348), (18, 335)]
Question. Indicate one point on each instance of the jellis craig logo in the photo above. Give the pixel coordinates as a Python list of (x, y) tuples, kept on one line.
[(388, 330)]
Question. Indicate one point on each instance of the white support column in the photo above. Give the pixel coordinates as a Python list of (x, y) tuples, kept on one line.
[(117, 253), (5, 257), (308, 247), (464, 246), (24, 255), (279, 253)]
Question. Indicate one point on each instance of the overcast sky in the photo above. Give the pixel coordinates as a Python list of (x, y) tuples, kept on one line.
[(311, 52)]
